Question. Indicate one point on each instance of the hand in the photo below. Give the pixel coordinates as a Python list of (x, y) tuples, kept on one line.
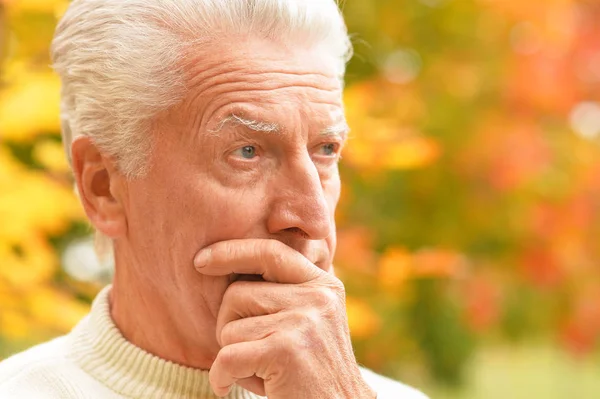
[(287, 336)]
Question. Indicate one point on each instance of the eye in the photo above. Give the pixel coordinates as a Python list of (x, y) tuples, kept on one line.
[(246, 152), (328, 149)]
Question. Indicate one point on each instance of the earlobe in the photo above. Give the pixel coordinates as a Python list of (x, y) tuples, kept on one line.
[(97, 184)]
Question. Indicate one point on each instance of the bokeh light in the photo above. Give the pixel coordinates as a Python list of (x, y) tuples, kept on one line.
[(469, 223)]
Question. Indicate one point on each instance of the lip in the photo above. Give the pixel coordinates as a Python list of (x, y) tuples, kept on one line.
[(246, 277)]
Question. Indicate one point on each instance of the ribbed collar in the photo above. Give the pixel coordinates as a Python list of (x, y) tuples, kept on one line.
[(99, 348)]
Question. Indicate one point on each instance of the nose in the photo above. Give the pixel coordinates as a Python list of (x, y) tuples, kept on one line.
[(299, 206)]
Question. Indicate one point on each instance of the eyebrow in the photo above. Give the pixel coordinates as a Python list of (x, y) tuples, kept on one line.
[(252, 124), (338, 129)]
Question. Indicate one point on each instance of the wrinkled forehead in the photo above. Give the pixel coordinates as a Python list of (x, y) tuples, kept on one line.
[(264, 81)]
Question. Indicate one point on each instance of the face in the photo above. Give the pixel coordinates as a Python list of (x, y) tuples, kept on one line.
[(251, 152)]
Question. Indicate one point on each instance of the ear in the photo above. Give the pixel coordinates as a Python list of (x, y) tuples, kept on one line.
[(100, 186)]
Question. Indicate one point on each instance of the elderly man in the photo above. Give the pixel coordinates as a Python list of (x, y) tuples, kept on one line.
[(204, 137)]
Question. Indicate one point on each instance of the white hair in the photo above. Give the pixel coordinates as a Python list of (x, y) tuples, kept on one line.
[(120, 61)]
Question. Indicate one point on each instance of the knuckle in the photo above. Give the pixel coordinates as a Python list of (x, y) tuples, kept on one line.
[(306, 319), (240, 289), (232, 293), (287, 345), (280, 356), (304, 339), (227, 357), (338, 286), (313, 317), (239, 286), (325, 297), (338, 289), (239, 298), (228, 334)]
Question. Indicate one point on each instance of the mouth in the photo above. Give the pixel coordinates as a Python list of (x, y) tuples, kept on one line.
[(245, 277)]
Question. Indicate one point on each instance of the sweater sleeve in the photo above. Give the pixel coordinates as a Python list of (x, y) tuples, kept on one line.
[(387, 388)]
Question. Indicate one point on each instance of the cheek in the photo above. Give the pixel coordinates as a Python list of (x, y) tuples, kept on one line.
[(158, 213), (332, 190), (186, 217), (224, 213)]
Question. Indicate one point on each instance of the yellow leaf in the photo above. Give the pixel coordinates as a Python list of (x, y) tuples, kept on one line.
[(360, 153), (394, 268), (30, 106), (437, 262), (412, 153), (8, 300), (362, 320), (55, 309), (32, 202), (27, 263), (14, 325), (43, 6), (10, 169), (51, 155)]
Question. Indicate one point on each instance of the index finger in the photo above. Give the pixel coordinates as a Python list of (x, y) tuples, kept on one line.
[(272, 259)]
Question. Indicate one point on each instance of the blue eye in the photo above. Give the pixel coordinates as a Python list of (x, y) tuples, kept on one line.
[(247, 152), (328, 149)]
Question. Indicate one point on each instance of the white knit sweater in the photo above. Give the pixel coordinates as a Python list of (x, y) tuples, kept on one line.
[(96, 361)]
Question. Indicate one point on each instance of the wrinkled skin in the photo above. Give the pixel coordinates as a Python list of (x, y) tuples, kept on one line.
[(246, 202)]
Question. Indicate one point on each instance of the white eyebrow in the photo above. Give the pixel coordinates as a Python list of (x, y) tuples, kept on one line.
[(339, 129), (257, 126)]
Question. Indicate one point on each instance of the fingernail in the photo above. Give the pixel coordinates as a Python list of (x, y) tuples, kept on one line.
[(202, 258)]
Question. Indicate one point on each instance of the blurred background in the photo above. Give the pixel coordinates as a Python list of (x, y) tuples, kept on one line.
[(469, 225)]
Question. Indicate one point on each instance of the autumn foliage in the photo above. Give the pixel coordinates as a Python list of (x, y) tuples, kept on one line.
[(470, 210)]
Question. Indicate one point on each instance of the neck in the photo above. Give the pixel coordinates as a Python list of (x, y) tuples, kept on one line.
[(167, 318)]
